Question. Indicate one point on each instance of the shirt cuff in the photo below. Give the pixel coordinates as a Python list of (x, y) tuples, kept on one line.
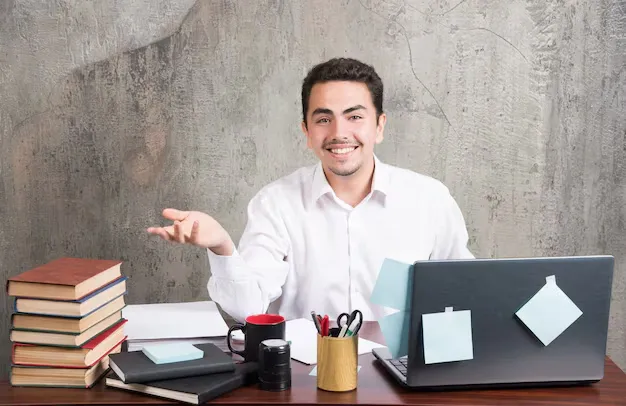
[(224, 266)]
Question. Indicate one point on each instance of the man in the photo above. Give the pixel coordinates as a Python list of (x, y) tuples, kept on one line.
[(316, 238)]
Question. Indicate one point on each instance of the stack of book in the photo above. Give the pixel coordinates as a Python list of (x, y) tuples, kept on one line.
[(67, 320), (188, 373)]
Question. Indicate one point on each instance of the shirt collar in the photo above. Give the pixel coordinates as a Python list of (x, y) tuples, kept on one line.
[(380, 182)]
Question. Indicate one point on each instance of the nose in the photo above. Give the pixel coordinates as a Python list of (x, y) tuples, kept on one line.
[(341, 128)]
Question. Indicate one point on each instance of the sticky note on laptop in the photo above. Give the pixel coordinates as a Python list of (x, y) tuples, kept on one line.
[(549, 312), (395, 329), (393, 290), (447, 336), (164, 353)]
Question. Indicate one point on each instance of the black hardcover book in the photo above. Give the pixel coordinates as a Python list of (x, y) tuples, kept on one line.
[(195, 389), (136, 367)]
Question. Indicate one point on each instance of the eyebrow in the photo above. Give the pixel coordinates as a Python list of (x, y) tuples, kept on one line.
[(321, 110)]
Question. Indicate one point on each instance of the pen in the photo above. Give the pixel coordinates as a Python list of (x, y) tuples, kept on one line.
[(316, 322), (353, 329), (325, 328)]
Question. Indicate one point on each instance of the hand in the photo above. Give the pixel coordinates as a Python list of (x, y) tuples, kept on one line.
[(195, 228)]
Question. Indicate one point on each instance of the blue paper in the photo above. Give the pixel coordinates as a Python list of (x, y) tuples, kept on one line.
[(393, 285), (393, 289), (395, 329), (447, 336), (164, 353), (549, 312)]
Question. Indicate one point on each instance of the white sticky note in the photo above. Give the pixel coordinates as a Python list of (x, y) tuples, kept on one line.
[(549, 312), (447, 336), (314, 370)]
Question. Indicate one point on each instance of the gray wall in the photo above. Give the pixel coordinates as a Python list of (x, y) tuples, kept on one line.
[(109, 113)]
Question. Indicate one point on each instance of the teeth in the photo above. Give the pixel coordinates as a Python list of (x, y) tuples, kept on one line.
[(342, 150)]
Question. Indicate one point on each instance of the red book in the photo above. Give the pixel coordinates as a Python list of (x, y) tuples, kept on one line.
[(85, 356), (64, 278)]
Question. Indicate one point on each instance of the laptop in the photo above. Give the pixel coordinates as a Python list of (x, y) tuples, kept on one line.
[(506, 353)]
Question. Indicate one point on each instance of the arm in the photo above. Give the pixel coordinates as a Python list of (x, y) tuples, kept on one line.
[(452, 237), (248, 280)]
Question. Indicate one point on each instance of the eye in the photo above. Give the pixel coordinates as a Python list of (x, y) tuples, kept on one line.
[(322, 120), (355, 117)]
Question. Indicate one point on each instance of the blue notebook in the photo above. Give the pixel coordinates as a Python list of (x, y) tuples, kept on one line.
[(165, 353)]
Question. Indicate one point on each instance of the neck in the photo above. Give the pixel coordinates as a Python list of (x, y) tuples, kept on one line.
[(352, 189)]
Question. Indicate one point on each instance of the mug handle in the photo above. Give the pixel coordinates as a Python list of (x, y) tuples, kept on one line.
[(230, 330)]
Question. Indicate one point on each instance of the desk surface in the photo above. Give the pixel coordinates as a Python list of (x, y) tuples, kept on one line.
[(375, 388)]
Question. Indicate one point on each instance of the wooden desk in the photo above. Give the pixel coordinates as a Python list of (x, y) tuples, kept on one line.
[(375, 388)]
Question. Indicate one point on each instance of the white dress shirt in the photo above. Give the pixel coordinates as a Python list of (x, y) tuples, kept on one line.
[(304, 249)]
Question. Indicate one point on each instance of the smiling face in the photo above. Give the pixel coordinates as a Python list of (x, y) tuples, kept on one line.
[(341, 126)]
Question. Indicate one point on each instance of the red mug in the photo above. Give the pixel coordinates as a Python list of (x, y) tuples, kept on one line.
[(258, 327)]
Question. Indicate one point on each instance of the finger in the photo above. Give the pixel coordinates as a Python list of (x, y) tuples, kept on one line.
[(171, 232), (194, 232), (159, 231), (165, 235), (174, 214), (179, 235)]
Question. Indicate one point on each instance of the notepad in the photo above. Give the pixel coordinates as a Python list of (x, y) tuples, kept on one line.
[(136, 367), (171, 352)]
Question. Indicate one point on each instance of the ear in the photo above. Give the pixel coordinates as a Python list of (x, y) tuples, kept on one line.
[(380, 128), (305, 131)]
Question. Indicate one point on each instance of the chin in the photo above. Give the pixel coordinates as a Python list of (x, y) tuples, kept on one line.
[(341, 170)]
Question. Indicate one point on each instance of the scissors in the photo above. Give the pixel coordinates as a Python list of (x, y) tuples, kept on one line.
[(354, 320)]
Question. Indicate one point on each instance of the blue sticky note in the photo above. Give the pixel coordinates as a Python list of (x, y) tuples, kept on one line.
[(395, 329), (447, 336), (393, 285), (549, 312), (164, 353), (393, 289)]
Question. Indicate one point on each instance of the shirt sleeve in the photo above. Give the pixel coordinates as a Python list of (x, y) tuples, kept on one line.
[(452, 236), (247, 281)]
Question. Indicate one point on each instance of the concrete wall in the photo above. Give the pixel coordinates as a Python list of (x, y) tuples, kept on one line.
[(109, 113)]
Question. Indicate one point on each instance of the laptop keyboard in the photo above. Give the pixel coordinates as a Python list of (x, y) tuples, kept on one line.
[(400, 364)]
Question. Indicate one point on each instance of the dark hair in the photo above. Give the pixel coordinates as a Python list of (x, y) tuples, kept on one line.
[(343, 69)]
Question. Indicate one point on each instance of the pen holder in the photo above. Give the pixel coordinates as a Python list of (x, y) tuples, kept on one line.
[(337, 363)]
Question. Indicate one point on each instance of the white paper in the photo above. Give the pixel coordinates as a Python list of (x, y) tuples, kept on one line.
[(447, 336), (173, 320), (549, 312), (303, 336), (314, 370), (137, 345)]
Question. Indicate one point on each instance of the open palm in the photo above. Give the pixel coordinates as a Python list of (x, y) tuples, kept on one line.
[(192, 227)]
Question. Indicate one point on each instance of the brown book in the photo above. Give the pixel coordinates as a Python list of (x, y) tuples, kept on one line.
[(61, 324), (64, 278), (65, 339), (108, 342), (73, 308), (59, 377)]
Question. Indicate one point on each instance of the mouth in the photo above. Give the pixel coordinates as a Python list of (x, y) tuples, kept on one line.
[(343, 151)]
